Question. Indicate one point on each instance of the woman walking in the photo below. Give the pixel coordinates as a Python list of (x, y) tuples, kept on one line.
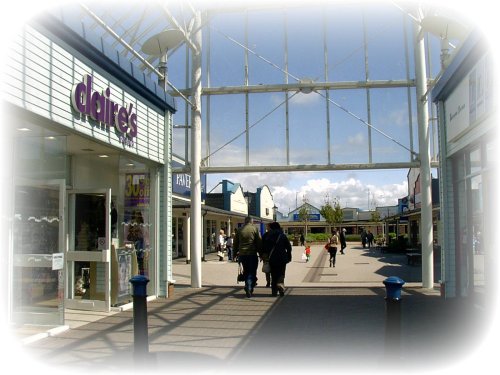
[(277, 247), (332, 248)]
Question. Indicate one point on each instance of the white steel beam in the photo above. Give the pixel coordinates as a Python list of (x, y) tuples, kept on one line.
[(313, 86), (302, 167)]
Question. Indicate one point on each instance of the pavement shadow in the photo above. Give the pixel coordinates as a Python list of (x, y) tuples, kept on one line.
[(217, 329), (354, 329)]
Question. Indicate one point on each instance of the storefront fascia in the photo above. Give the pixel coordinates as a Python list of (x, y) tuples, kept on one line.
[(84, 183), (468, 139)]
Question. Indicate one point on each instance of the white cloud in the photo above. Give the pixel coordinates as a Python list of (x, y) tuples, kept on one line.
[(356, 140), (351, 190), (305, 99)]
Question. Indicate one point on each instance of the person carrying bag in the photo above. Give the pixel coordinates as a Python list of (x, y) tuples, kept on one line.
[(332, 248), (276, 244)]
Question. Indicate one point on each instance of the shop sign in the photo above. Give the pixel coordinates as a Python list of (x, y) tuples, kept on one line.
[(311, 217), (181, 182), (101, 108)]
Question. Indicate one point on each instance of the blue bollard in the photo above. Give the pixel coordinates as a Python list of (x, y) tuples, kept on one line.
[(141, 344), (139, 284), (393, 286)]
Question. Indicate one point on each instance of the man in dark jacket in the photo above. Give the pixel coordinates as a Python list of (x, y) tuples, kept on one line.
[(247, 245), (278, 250)]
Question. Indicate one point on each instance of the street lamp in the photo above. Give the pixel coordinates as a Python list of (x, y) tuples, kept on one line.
[(275, 209), (158, 46)]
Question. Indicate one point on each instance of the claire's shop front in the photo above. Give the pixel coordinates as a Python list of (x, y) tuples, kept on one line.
[(90, 198)]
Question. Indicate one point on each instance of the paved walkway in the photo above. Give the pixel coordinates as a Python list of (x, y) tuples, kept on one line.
[(330, 319), (358, 267)]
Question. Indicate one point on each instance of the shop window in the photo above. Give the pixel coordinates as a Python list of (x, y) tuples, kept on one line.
[(134, 203), (475, 161)]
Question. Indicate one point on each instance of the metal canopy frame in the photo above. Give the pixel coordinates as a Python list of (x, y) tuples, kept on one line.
[(128, 29)]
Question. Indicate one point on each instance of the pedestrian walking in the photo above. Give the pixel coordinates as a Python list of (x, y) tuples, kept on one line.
[(307, 251), (229, 247), (343, 241), (332, 248), (221, 245), (364, 238), (369, 239), (278, 250), (248, 245), (264, 257)]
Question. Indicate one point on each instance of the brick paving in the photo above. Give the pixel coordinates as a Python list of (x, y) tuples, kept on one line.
[(330, 319)]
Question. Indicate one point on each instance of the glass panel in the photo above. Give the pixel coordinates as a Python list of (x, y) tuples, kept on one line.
[(136, 223), (177, 236), (174, 236), (36, 237), (90, 233), (135, 216), (462, 239), (475, 161), (459, 168), (210, 236), (180, 236), (491, 153), (476, 197), (41, 154)]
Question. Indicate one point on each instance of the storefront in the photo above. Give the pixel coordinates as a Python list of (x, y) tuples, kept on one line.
[(220, 211), (91, 198), (468, 149)]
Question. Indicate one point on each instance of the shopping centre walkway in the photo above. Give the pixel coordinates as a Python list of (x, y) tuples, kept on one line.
[(330, 319)]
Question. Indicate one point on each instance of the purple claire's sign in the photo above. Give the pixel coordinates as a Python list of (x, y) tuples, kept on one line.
[(101, 108)]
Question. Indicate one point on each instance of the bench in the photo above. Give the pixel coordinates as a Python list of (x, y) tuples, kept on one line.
[(414, 258)]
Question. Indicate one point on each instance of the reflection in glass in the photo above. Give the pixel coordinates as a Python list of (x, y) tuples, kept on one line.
[(36, 238)]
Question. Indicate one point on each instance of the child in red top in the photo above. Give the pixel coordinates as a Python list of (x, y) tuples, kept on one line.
[(308, 253)]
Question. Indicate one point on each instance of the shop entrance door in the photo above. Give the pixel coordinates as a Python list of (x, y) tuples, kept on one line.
[(89, 249), (37, 281)]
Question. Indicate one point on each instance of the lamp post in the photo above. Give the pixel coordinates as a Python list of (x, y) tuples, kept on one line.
[(368, 202), (158, 46), (249, 200), (275, 209)]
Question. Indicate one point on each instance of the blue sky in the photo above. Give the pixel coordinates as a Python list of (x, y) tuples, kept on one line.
[(390, 112)]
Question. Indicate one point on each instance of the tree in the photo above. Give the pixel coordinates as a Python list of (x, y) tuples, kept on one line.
[(375, 216), (332, 214), (304, 213)]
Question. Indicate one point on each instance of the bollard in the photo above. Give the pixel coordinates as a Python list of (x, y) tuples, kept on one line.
[(392, 331), (393, 287), (141, 344)]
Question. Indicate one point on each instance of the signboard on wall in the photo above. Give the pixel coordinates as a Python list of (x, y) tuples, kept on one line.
[(181, 183), (471, 99)]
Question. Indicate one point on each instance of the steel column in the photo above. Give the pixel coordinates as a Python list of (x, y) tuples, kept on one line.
[(196, 242), (425, 165)]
